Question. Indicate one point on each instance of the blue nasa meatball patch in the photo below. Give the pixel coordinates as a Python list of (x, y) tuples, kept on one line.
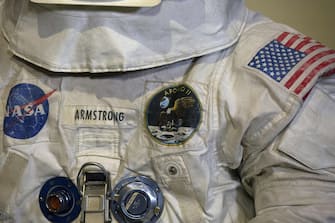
[(27, 111)]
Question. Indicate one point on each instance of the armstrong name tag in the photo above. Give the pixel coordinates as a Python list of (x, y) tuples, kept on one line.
[(86, 115)]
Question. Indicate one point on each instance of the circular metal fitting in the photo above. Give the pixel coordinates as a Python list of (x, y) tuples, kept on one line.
[(60, 200), (137, 199)]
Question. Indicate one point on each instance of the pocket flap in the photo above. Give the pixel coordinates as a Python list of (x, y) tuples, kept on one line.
[(310, 139)]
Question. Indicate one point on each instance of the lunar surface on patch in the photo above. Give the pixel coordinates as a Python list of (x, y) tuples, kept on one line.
[(171, 137)]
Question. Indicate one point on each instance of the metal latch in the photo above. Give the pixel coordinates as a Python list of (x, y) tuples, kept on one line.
[(94, 183)]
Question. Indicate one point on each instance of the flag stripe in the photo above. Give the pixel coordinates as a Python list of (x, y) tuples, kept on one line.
[(301, 70), (309, 38), (329, 73), (302, 44), (292, 40), (297, 42), (282, 36), (313, 48), (312, 74), (295, 61), (289, 40)]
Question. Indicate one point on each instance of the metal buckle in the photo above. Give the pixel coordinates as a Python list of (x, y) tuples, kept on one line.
[(94, 183)]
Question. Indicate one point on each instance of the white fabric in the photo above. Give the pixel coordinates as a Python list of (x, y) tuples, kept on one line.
[(128, 3), (248, 159), (120, 39), (294, 178)]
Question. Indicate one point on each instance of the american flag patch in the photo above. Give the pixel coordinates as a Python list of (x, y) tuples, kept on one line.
[(295, 61)]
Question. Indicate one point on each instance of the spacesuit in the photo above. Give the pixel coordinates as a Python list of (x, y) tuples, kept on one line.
[(188, 111)]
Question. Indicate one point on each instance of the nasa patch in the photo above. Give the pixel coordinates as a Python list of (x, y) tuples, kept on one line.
[(173, 115), (27, 111)]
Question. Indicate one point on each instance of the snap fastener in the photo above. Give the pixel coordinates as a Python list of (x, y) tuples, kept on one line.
[(172, 170)]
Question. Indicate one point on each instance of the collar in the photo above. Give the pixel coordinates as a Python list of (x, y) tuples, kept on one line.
[(108, 39)]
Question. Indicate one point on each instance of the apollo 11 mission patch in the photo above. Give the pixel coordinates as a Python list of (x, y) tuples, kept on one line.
[(173, 115)]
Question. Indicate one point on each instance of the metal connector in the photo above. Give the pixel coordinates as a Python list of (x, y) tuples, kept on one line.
[(137, 199), (94, 183), (60, 200)]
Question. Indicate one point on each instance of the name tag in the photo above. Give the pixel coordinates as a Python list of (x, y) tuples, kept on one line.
[(86, 115)]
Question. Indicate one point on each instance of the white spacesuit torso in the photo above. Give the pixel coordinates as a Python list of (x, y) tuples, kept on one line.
[(217, 108)]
